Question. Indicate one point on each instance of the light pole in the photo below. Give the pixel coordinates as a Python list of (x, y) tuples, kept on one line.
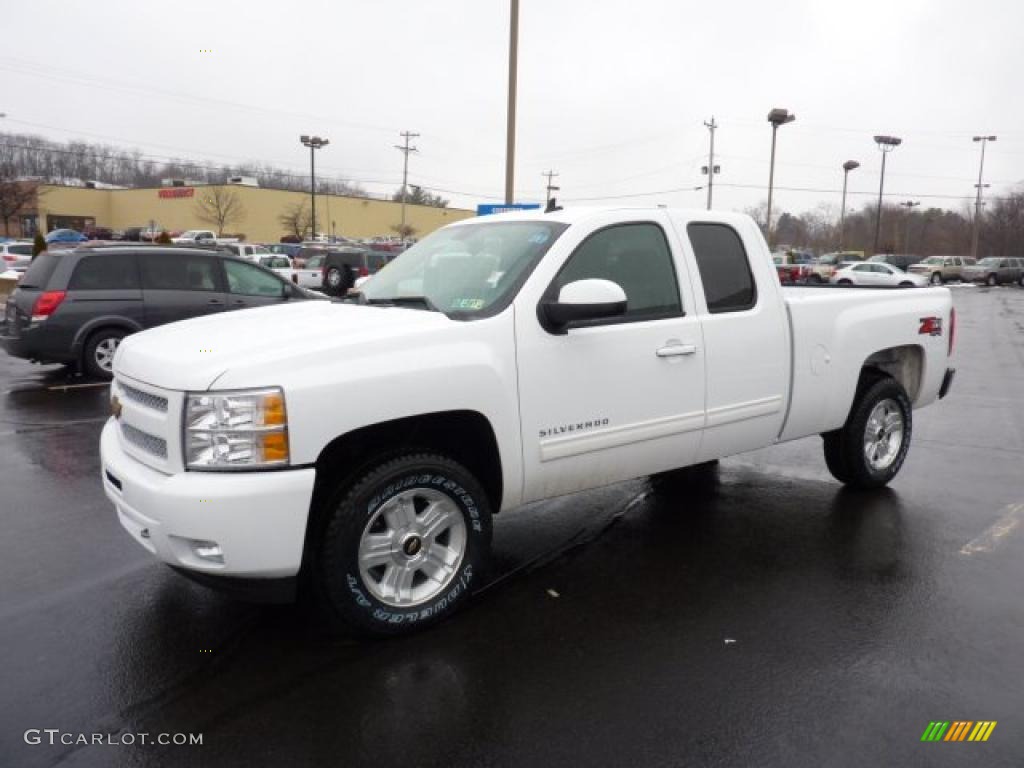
[(848, 166), (405, 149), (510, 127), (910, 205), (886, 144), (314, 143), (977, 202), (551, 187), (776, 117)]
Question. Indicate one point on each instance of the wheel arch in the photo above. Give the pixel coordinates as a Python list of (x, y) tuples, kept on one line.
[(98, 324), (904, 363), (463, 435)]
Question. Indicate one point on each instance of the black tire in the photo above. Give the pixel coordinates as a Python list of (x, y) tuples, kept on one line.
[(94, 355), (1021, 281), (814, 278), (845, 451), (844, 281), (936, 278), (991, 281), (338, 280), (906, 284), (348, 597)]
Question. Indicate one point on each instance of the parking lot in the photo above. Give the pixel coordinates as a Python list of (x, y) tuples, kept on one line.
[(757, 614)]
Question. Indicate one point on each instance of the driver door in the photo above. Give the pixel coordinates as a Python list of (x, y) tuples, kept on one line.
[(615, 398)]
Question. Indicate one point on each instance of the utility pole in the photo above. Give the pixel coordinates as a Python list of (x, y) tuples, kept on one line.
[(510, 127), (977, 202), (711, 169), (910, 205), (550, 187), (405, 150)]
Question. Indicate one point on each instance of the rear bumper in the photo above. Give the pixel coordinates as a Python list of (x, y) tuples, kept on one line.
[(947, 382), (258, 519), (29, 345)]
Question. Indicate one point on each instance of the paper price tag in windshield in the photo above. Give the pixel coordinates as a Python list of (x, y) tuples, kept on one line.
[(470, 304)]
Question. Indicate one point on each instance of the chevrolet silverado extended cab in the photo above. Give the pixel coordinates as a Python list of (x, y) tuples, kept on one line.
[(497, 362)]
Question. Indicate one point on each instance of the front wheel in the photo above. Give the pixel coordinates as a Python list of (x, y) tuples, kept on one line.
[(402, 546), (336, 281), (991, 281), (906, 284), (936, 278), (845, 281), (869, 450)]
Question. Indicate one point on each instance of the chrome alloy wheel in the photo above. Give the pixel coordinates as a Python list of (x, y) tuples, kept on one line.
[(412, 547), (104, 354), (333, 277), (883, 436)]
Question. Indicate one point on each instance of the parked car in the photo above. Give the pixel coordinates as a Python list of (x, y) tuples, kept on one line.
[(65, 236), (311, 272), (827, 264), (99, 233), (996, 270), (248, 251), (281, 265), (343, 268), (901, 260), (75, 306), (284, 249), (306, 252), (877, 273), (942, 269), (13, 251), (594, 347), (793, 266)]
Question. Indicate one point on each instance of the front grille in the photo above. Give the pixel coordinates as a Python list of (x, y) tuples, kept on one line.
[(155, 402), (149, 443)]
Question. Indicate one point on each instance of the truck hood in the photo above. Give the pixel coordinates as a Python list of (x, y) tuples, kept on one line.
[(192, 354)]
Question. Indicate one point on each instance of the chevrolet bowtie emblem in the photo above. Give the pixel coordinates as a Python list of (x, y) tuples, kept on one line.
[(115, 407)]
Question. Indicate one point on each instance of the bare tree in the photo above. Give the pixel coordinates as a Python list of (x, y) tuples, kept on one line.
[(15, 195), (296, 219), (219, 205), (404, 230)]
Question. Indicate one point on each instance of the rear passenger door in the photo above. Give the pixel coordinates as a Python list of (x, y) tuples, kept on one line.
[(746, 341), (104, 285), (177, 286), (250, 286)]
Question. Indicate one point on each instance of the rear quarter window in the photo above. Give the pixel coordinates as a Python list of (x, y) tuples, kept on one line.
[(40, 270), (724, 267)]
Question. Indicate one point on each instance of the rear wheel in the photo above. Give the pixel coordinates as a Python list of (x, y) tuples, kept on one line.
[(936, 278), (869, 450), (98, 356), (1021, 281), (845, 281), (402, 546), (338, 280)]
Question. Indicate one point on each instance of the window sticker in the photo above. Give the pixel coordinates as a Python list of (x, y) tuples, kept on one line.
[(540, 237), (468, 304)]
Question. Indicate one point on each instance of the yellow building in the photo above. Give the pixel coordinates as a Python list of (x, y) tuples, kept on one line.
[(178, 209)]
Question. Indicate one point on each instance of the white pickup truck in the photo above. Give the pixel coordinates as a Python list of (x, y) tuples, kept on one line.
[(361, 449), (202, 237)]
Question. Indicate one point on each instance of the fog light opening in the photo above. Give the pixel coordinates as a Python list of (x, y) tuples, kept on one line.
[(209, 551)]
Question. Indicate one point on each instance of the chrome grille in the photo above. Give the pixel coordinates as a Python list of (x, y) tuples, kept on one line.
[(155, 402), (149, 443)]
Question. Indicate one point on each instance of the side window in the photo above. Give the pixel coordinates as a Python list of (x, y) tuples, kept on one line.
[(105, 272), (724, 268), (636, 257), (314, 262), (248, 280), (21, 250), (178, 272)]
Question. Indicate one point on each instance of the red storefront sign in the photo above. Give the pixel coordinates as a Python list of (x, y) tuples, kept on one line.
[(176, 192)]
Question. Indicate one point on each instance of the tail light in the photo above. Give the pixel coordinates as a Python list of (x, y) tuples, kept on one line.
[(47, 304), (952, 329), (363, 272), (10, 257)]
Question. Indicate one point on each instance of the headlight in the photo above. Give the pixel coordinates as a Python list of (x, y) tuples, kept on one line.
[(236, 430)]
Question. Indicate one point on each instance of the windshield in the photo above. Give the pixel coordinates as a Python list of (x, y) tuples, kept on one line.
[(469, 270)]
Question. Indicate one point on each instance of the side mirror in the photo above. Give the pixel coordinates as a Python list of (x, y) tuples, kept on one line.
[(581, 301)]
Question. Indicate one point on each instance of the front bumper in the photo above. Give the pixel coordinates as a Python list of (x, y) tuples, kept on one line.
[(257, 518)]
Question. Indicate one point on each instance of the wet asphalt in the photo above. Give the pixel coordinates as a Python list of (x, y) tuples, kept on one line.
[(757, 614)]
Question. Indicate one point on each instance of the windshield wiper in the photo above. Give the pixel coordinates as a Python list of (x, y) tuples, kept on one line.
[(397, 301)]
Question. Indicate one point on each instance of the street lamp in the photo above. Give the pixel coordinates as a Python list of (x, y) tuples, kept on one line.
[(886, 144), (848, 166), (977, 202), (910, 205), (314, 143), (776, 117)]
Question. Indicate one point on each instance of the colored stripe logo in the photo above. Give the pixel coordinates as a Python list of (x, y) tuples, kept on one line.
[(958, 730)]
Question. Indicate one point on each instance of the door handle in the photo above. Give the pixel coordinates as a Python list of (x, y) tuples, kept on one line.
[(215, 301), (677, 350)]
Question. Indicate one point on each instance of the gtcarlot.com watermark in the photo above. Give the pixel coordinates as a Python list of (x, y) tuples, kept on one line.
[(55, 736)]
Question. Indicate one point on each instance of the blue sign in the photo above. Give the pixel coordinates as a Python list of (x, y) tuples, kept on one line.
[(484, 209)]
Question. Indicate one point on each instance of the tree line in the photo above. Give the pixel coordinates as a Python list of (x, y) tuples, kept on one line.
[(914, 230)]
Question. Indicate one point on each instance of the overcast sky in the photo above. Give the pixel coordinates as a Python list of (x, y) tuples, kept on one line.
[(612, 94)]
